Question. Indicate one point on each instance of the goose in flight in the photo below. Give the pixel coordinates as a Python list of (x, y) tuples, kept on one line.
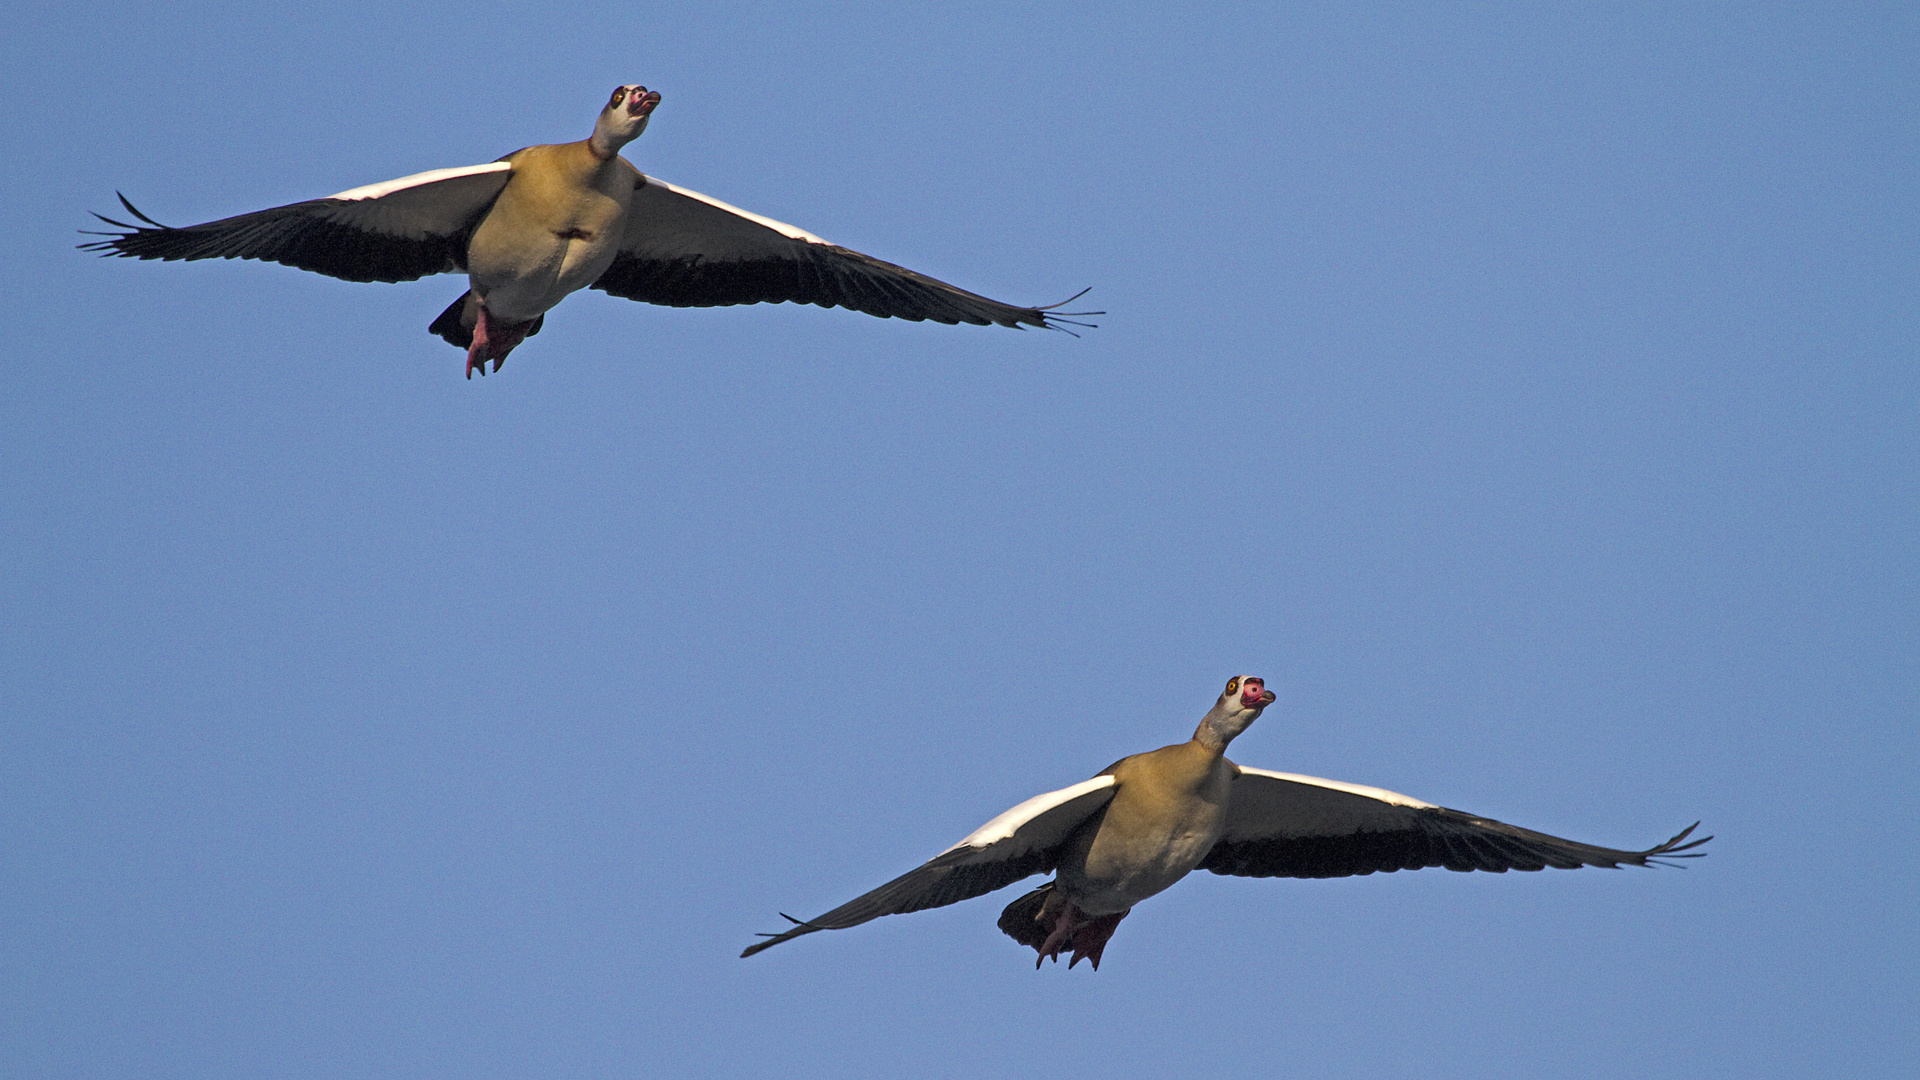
[(546, 221), (1148, 820)]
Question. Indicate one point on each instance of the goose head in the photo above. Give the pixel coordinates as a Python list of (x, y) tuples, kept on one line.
[(624, 118), (1239, 706)]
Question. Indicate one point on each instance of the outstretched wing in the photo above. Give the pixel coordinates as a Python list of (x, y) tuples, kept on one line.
[(1284, 825), (394, 231), (684, 249), (1019, 843)]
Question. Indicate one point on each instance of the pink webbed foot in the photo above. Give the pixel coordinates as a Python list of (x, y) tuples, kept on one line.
[(1087, 937), (493, 341)]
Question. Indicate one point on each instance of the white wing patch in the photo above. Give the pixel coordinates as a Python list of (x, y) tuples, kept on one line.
[(781, 227), (1382, 794), (1009, 823), (434, 176)]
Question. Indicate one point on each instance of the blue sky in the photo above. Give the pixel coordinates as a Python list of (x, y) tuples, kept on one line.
[(1528, 395)]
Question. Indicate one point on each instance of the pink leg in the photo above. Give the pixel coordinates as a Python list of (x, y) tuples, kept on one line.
[(1064, 924), (1090, 940), (493, 341), (478, 351)]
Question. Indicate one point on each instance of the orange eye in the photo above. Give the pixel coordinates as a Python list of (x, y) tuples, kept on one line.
[(1233, 685)]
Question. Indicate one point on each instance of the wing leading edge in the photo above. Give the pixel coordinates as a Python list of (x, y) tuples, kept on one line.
[(399, 230), (685, 249), (1287, 825)]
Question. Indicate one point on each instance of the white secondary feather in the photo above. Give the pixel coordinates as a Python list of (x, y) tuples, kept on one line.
[(781, 227), (1269, 805), (1381, 794), (432, 176), (1006, 825)]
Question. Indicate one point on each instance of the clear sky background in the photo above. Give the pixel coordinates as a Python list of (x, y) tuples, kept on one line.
[(1529, 395)]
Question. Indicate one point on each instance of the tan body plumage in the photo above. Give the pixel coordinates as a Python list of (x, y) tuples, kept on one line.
[(555, 229), (1169, 807)]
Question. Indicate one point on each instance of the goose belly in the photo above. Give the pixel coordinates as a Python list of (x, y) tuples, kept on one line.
[(533, 275), (1125, 865)]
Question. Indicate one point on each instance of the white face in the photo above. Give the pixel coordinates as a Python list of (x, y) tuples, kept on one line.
[(625, 116)]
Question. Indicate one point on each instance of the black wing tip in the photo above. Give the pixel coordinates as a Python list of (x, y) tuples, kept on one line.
[(112, 245), (1052, 318), (1048, 307), (1674, 849), (135, 211), (799, 927)]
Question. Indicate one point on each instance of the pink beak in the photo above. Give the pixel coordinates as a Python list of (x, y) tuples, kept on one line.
[(1255, 695)]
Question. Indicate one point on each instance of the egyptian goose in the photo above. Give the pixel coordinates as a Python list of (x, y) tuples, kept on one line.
[(545, 221), (1148, 820)]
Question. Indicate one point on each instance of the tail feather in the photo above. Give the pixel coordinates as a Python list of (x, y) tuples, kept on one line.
[(1023, 920), (452, 325), (456, 327)]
